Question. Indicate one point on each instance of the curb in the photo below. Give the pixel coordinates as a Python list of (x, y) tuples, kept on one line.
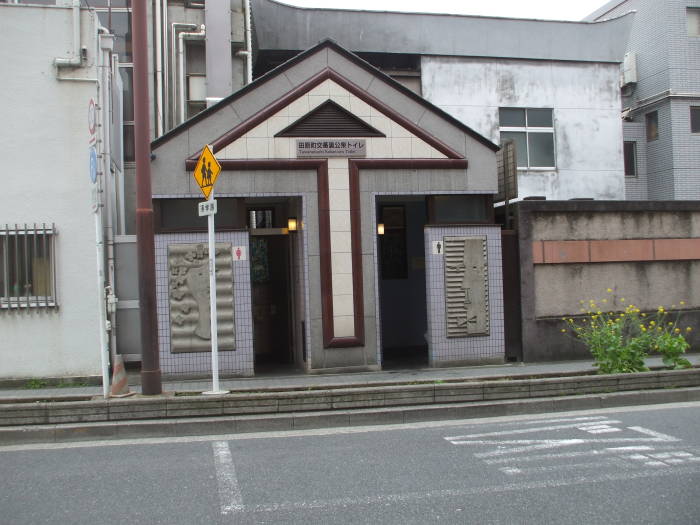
[(240, 424), (249, 403)]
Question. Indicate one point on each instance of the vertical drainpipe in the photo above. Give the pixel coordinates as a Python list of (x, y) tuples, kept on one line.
[(150, 366)]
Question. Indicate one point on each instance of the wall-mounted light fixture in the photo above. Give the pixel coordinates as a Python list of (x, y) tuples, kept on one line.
[(292, 224), (380, 228)]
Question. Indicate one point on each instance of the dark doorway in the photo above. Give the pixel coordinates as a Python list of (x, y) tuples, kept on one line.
[(401, 271), (270, 288)]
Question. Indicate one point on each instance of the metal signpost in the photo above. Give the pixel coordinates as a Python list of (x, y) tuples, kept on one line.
[(205, 173)]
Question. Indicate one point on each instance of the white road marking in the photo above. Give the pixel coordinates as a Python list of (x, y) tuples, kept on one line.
[(564, 455), (414, 497), (457, 439), (657, 435), (555, 468), (229, 491)]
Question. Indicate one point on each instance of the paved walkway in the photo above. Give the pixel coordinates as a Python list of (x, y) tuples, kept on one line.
[(302, 380)]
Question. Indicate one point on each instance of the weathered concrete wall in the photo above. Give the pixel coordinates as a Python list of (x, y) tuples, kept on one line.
[(647, 252), (45, 146), (585, 99)]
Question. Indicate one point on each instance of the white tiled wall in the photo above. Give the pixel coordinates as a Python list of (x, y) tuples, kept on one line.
[(260, 142), (488, 348), (238, 362)]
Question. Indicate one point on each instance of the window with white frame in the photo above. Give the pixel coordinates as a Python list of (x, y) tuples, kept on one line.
[(532, 131), (27, 266)]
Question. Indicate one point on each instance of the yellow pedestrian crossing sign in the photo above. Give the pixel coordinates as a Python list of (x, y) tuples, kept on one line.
[(206, 171)]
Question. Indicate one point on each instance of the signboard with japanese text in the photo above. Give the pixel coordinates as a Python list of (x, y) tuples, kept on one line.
[(322, 148)]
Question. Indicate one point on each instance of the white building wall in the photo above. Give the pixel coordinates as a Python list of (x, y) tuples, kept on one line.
[(46, 179), (585, 99)]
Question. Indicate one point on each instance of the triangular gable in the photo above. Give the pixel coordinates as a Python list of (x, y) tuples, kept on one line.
[(393, 140), (329, 120)]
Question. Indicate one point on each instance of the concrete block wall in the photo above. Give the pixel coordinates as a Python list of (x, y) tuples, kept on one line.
[(647, 252)]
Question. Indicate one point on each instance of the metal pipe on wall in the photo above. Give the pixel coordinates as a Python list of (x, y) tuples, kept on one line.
[(77, 59), (181, 66), (173, 56), (150, 359), (159, 69)]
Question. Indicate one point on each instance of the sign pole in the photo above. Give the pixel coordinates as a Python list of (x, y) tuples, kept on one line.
[(215, 389), (205, 174)]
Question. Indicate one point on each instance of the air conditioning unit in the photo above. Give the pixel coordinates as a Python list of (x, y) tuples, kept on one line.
[(628, 74)]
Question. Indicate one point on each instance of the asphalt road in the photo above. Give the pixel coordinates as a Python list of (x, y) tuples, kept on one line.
[(639, 465)]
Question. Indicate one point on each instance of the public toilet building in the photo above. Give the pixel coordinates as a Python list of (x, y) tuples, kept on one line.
[(354, 228)]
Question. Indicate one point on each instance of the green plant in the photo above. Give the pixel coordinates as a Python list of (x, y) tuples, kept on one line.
[(34, 384), (620, 341)]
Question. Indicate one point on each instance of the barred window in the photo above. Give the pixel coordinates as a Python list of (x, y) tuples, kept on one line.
[(27, 266)]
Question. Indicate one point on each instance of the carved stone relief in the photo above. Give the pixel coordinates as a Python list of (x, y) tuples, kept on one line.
[(466, 286), (190, 325)]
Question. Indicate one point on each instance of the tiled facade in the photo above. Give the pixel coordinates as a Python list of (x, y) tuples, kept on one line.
[(422, 153), (464, 350), (668, 65), (238, 362)]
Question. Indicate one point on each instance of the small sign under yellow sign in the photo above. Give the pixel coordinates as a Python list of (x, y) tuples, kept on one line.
[(206, 171)]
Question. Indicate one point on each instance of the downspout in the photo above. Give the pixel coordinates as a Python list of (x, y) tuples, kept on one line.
[(159, 69), (172, 56), (247, 53), (106, 47), (99, 224), (78, 58), (181, 62), (165, 59)]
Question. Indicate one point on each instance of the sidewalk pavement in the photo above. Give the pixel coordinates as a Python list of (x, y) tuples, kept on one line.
[(301, 381)]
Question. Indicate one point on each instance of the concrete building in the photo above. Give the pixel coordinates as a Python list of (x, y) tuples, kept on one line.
[(550, 86), (661, 97), (62, 168)]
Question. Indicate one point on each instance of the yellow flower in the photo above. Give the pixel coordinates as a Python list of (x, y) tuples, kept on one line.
[(563, 331), (643, 328), (689, 329), (644, 315), (622, 315), (571, 320), (622, 299), (604, 301), (652, 323), (682, 303), (661, 309), (609, 290), (677, 330)]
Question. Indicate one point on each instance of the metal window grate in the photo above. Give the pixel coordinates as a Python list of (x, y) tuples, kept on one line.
[(27, 266)]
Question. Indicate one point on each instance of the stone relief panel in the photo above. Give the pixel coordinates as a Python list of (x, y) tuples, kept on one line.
[(466, 286), (190, 325)]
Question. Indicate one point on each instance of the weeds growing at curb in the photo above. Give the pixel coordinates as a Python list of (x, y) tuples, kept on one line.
[(620, 341), (35, 384)]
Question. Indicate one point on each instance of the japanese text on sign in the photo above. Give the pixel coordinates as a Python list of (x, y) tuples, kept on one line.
[(332, 148)]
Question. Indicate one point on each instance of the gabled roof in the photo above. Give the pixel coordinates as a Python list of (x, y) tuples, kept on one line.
[(301, 57)]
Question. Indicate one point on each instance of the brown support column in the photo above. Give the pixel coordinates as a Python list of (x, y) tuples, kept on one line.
[(150, 366)]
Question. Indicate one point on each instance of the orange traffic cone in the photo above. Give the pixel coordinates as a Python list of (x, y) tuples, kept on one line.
[(120, 383)]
